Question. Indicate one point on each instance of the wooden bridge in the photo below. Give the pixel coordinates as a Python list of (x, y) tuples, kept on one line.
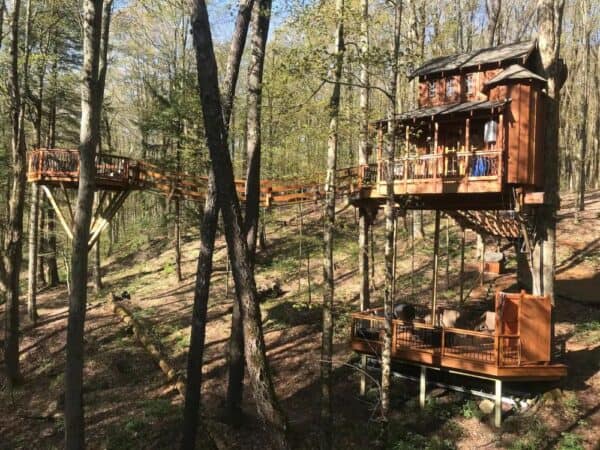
[(458, 183)]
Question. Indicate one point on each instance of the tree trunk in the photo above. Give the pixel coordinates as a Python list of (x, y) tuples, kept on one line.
[(417, 223), (493, 9), (363, 156), (386, 354), (198, 330), (584, 108), (216, 134), (328, 232), (33, 253), (207, 242), (10, 267), (53, 277), (550, 14), (91, 106), (261, 16)]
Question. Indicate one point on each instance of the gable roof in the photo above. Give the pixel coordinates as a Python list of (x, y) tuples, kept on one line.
[(514, 72), (515, 51)]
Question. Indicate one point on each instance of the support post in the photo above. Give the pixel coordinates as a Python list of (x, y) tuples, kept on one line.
[(462, 265), (482, 262), (436, 248), (422, 386), (498, 404), (58, 212), (33, 253)]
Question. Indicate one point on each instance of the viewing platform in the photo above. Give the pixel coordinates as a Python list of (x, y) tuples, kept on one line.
[(514, 344)]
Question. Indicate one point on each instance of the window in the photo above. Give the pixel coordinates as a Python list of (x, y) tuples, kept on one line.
[(449, 87), (431, 89), (470, 84)]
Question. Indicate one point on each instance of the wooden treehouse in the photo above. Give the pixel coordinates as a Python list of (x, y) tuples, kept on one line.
[(474, 149), (475, 141)]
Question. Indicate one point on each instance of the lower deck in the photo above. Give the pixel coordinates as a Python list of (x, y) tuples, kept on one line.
[(498, 356)]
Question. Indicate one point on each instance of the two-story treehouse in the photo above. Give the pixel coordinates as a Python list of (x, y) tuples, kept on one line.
[(473, 148), (476, 137)]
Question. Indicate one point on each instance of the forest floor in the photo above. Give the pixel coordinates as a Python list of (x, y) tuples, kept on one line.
[(129, 404)]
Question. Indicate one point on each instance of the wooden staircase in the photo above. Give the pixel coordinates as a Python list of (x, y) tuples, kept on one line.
[(505, 224)]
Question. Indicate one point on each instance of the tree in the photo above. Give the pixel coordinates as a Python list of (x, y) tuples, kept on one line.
[(207, 243), (550, 14), (96, 23), (390, 217), (261, 16), (328, 231), (363, 156), (216, 137), (10, 267), (493, 9), (583, 134)]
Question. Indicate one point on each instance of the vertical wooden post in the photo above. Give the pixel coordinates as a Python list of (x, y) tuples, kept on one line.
[(482, 262), (422, 386), (436, 248), (407, 137), (468, 134), (462, 265), (435, 148), (394, 260), (498, 403), (447, 252)]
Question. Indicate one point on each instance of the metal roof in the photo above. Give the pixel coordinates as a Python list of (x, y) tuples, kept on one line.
[(444, 110), (514, 72), (515, 51)]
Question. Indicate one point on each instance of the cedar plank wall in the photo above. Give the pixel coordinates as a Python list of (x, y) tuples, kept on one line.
[(460, 88), (518, 135), (535, 329)]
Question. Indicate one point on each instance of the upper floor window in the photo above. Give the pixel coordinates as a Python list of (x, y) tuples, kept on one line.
[(470, 84), (450, 87), (431, 90)]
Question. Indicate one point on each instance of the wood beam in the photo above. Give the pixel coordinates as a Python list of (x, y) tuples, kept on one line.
[(68, 201), (57, 210), (111, 210)]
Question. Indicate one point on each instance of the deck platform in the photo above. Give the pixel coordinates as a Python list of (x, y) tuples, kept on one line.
[(518, 349)]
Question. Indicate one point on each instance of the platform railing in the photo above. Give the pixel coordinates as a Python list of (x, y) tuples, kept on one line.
[(457, 343), (451, 164)]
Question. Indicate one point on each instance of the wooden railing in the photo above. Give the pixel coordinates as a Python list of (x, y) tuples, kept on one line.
[(414, 337), (474, 165), (62, 166)]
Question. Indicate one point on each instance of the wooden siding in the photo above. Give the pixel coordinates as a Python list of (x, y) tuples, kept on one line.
[(535, 328), (460, 88)]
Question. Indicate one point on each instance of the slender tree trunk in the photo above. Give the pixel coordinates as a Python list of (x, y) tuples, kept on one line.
[(326, 440), (10, 267), (261, 16), (418, 230), (550, 14), (91, 106), (363, 156), (584, 108), (207, 241), (386, 354), (2, 8), (216, 134), (33, 253), (493, 9)]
